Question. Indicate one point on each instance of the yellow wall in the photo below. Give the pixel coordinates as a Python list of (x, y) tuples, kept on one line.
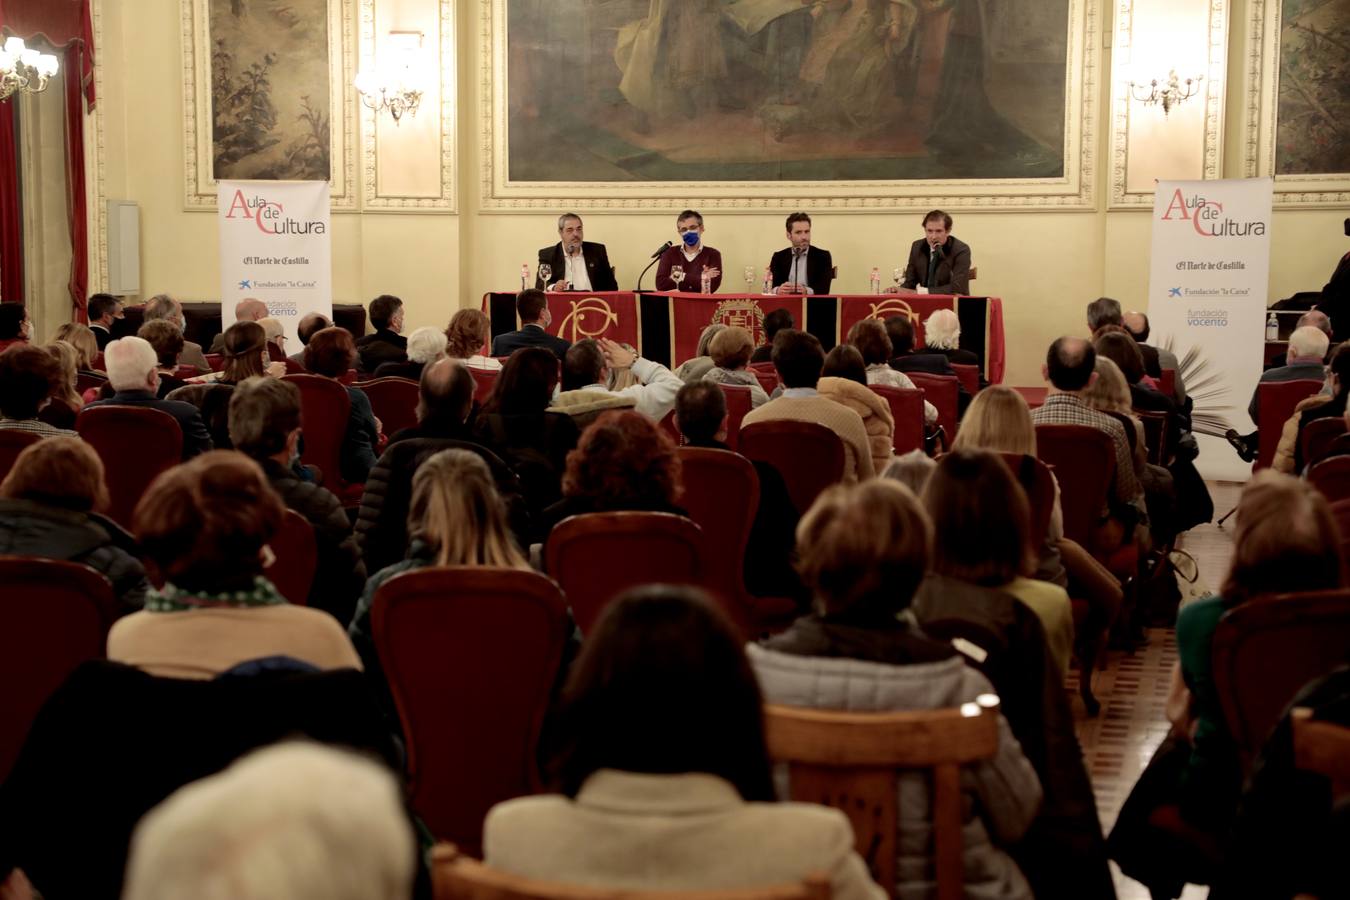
[(1046, 266)]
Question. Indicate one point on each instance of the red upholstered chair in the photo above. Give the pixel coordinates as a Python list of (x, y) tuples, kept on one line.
[(907, 411), (596, 556), (969, 376), (325, 407), (85, 381), (809, 456), (471, 655), (738, 404), (1167, 384), (348, 378), (183, 373), (1341, 510), (1332, 477), (216, 361), (767, 375), (297, 556), (136, 444), (941, 391), (12, 443), (484, 380), (57, 615), (1275, 402), (669, 429), (1084, 460), (1318, 437), (393, 400), (98, 365), (1267, 649)]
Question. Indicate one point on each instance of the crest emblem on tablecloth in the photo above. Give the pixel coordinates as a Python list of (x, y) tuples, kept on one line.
[(590, 317), (742, 314), (893, 307)]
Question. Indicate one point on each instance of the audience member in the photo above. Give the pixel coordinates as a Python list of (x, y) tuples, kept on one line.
[(65, 402), (900, 330), (27, 377), (863, 551), (296, 821), (696, 367), (591, 366), (874, 344), (701, 417), (277, 360), (663, 747), (245, 350), (205, 526), (1286, 542), (1102, 312), (103, 310), (467, 336), (162, 306), (265, 425), (532, 310), (167, 340), (844, 380), (798, 358), (1158, 358), (49, 507), (1289, 452), (387, 343), (133, 372), (249, 309), (972, 492), (442, 412), (1304, 362), (623, 462), (912, 469), (310, 324), (730, 352), (15, 326), (942, 333), (86, 347), (775, 321), (425, 345), (330, 354), (1122, 350)]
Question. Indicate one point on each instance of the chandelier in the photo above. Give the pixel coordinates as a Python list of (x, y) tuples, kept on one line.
[(1170, 94), (23, 68), (395, 87)]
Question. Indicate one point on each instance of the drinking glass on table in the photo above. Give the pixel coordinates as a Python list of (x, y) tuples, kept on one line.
[(677, 275), (897, 276), (545, 273), (749, 275)]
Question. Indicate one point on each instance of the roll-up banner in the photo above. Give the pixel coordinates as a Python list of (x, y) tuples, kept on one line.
[(1207, 301), (274, 246)]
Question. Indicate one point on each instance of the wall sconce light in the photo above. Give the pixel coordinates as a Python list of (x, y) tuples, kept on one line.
[(1171, 93), (394, 87), (24, 69)]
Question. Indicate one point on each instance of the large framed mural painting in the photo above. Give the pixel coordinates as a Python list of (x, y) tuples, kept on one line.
[(265, 97), (1299, 100), (843, 103)]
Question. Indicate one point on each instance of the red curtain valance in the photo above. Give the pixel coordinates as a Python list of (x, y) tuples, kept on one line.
[(61, 23)]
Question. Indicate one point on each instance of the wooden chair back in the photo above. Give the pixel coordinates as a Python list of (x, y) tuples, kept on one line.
[(596, 556), (852, 761), (1318, 437), (57, 615), (1324, 748), (12, 443), (809, 456), (393, 400), (1266, 650), (721, 493), (471, 654), (1332, 477), (1155, 435), (297, 557), (907, 410), (458, 877), (1275, 402), (969, 376), (940, 390), (1084, 460), (136, 444), (325, 407)]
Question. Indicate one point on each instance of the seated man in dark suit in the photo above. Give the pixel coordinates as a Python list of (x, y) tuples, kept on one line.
[(1307, 348), (386, 344), (937, 261), (532, 308), (133, 372), (103, 310), (310, 325), (774, 322), (801, 268), (901, 332), (575, 264)]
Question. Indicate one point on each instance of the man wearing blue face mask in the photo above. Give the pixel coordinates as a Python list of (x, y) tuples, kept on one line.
[(691, 256)]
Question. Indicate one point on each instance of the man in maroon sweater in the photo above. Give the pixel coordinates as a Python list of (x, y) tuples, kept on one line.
[(691, 255)]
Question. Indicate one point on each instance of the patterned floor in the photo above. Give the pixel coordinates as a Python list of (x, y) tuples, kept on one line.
[(1132, 689)]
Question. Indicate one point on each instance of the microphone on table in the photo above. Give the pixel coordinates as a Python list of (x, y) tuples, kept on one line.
[(663, 248), (655, 256)]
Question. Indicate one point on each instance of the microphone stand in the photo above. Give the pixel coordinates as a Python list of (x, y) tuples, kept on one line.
[(655, 260)]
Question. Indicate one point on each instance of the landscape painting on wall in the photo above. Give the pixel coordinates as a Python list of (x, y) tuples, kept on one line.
[(269, 72), (786, 90), (1313, 121)]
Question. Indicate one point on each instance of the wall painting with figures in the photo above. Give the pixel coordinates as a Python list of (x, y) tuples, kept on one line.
[(787, 90)]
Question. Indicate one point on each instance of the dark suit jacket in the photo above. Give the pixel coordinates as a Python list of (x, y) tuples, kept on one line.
[(935, 364), (597, 266), (528, 336), (102, 335), (953, 271), (381, 347), (819, 269), (1335, 301), (195, 437)]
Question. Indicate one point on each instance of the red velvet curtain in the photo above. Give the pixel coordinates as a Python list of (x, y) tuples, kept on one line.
[(11, 240), (67, 25)]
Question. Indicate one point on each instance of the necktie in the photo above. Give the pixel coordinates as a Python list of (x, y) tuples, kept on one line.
[(799, 267), (932, 267)]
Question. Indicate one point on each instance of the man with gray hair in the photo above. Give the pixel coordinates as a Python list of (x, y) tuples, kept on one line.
[(133, 372), (1307, 348), (162, 306), (298, 821), (250, 309), (575, 264)]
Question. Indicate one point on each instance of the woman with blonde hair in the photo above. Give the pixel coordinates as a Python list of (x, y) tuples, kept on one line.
[(85, 344), (1110, 393), (694, 368), (469, 331), (245, 345), (66, 402), (730, 350)]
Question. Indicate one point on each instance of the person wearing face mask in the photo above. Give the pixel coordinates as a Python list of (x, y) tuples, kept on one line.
[(938, 262), (575, 264), (532, 309), (801, 268), (692, 255)]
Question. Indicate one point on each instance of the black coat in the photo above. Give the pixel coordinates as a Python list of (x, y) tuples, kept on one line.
[(529, 336), (381, 347), (598, 269), (819, 269)]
